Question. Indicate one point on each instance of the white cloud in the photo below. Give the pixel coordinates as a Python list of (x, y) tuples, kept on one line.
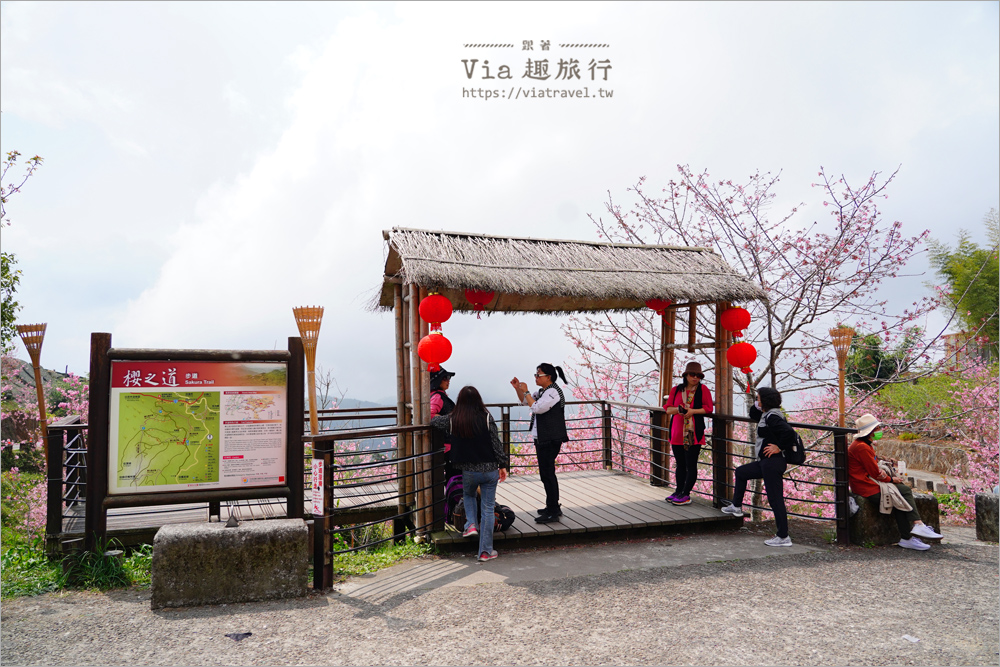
[(210, 167)]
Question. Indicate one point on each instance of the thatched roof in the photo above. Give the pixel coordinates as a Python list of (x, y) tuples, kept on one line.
[(539, 275)]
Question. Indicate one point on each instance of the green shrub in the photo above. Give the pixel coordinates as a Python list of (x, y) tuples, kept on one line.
[(907, 436), (97, 569), (951, 504), (377, 558), (27, 458), (26, 570), (139, 565), (928, 398)]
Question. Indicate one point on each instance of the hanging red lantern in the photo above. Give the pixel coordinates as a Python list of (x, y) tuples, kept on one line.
[(435, 309), (659, 305), (479, 299), (435, 349), (735, 320), (742, 355)]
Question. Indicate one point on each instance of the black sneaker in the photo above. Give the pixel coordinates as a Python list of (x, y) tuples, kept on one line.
[(547, 518), (545, 511)]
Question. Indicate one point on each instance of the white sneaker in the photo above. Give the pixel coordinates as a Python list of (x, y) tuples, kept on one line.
[(923, 530), (779, 541), (732, 510), (915, 544)]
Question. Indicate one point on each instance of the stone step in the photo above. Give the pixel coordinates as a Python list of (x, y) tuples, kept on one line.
[(923, 480)]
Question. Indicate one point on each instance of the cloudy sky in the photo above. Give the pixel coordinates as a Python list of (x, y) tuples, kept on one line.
[(210, 166)]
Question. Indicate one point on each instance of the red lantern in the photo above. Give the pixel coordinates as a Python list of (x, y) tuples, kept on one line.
[(735, 320), (435, 309), (479, 299), (435, 349), (742, 355), (659, 305)]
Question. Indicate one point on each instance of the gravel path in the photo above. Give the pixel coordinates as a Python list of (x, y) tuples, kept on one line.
[(836, 607)]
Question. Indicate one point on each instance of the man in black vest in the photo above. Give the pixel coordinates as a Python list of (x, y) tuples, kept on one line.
[(548, 429)]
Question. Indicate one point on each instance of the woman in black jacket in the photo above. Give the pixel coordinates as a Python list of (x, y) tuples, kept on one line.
[(774, 437), (476, 450)]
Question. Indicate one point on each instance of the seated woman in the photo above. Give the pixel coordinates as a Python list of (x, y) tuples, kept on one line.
[(476, 450), (864, 475)]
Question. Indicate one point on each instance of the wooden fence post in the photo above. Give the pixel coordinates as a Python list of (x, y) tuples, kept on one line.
[(54, 472), (840, 490), (322, 524), (96, 521), (659, 473), (505, 431), (606, 434), (294, 449), (720, 462)]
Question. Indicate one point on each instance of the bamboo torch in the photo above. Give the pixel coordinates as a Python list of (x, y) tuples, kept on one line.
[(32, 336), (841, 336), (308, 319)]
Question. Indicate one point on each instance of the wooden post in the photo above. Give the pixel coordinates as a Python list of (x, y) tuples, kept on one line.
[(659, 460), (96, 519), (692, 324), (54, 472), (294, 449), (409, 347), (840, 490), (397, 312), (417, 406), (505, 431), (606, 434), (722, 478), (426, 476), (323, 524)]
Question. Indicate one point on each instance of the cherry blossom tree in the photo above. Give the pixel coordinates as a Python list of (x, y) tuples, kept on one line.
[(815, 274)]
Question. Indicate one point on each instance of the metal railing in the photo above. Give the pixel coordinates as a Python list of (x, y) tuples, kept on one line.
[(402, 482)]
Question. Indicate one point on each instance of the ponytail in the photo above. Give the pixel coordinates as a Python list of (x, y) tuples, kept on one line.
[(552, 372)]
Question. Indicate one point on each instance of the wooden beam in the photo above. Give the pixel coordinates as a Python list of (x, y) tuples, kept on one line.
[(692, 325)]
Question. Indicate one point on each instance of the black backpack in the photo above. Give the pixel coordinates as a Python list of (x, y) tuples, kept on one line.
[(455, 508), (797, 454)]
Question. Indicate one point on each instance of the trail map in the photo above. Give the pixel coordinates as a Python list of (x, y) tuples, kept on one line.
[(167, 438), (196, 425)]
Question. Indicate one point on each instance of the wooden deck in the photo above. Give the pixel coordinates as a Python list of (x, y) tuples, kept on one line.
[(596, 504)]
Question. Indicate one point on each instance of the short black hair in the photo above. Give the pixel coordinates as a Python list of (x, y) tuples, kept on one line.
[(770, 398)]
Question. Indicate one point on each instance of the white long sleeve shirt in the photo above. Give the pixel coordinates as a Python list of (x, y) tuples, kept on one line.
[(544, 401)]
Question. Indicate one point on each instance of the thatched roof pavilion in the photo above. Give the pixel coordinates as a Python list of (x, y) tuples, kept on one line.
[(546, 276)]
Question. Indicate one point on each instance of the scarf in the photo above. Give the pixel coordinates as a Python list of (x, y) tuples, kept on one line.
[(562, 402)]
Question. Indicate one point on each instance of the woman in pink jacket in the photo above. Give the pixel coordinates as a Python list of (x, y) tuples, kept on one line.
[(687, 404)]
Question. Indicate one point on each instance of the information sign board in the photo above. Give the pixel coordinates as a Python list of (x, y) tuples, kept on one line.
[(192, 425)]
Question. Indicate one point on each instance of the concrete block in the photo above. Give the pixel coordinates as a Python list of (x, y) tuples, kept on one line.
[(207, 563), (871, 526), (987, 520)]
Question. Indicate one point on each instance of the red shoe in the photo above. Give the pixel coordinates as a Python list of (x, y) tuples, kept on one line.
[(483, 557)]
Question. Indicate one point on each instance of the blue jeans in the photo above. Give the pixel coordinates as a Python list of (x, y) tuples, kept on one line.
[(487, 483)]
